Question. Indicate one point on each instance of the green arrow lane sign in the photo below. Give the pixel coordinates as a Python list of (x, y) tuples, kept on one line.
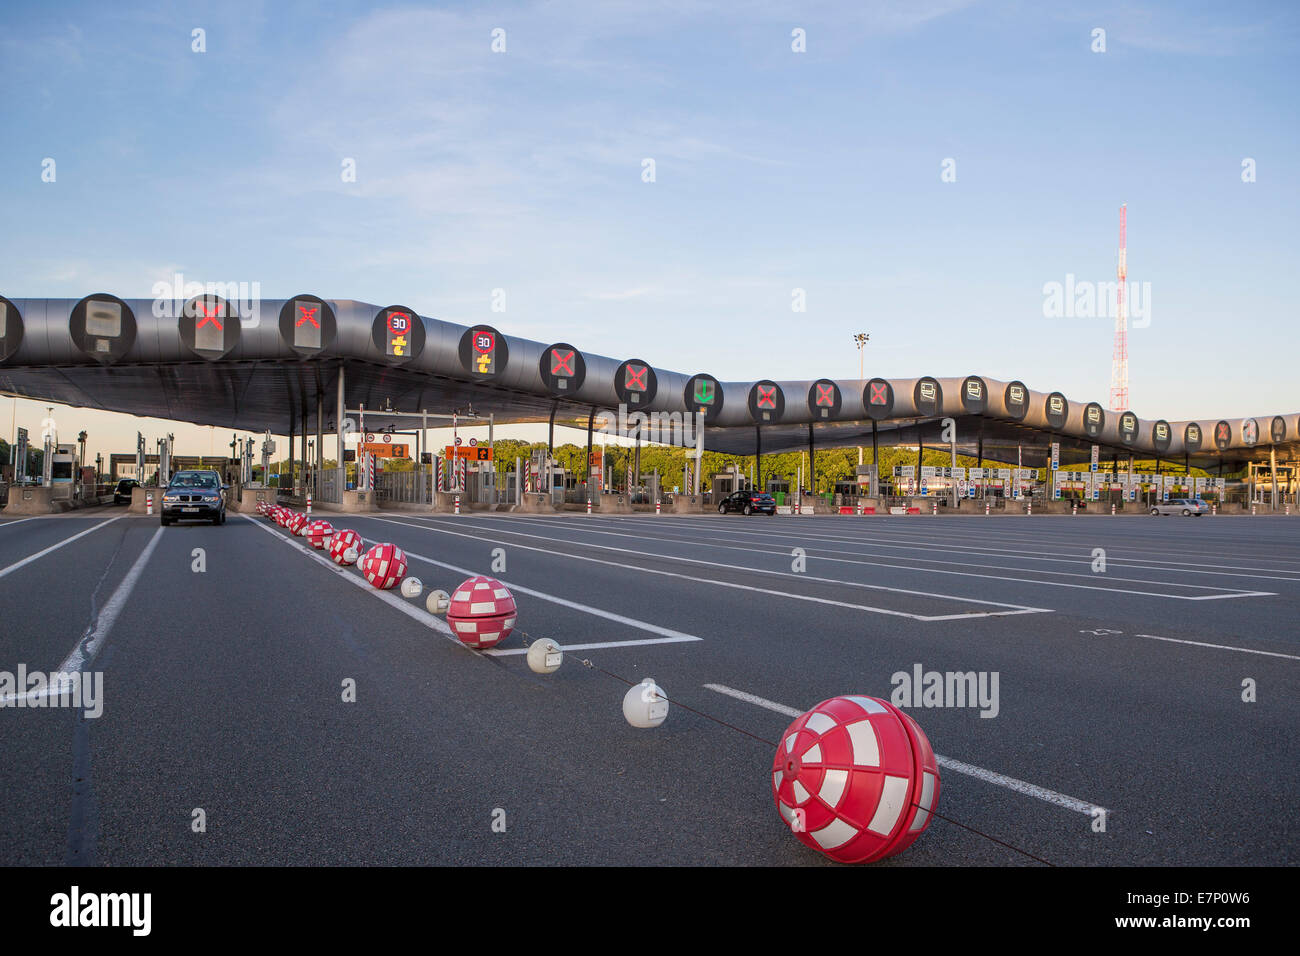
[(704, 391)]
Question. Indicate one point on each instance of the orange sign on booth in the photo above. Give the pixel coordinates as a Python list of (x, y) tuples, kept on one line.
[(471, 452), (383, 450)]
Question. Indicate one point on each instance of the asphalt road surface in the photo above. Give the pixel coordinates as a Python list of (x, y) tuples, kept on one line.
[(1148, 676)]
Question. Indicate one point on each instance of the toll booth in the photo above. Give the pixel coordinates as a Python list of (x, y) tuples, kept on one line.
[(723, 483), (62, 477)]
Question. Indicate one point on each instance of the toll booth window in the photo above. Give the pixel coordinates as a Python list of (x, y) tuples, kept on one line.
[(485, 346), (399, 333), (209, 332), (306, 324), (104, 318)]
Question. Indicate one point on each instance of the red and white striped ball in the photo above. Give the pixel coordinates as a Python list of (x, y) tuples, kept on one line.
[(318, 533), (341, 542), (297, 522), (482, 612), (855, 778), (284, 518), (383, 565)]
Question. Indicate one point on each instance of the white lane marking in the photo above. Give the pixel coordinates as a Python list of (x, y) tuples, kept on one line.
[(957, 766), (55, 547), (1220, 647), (946, 545), (5, 524), (425, 618), (667, 632), (93, 639), (599, 645), (823, 554), (755, 699), (388, 597), (963, 616)]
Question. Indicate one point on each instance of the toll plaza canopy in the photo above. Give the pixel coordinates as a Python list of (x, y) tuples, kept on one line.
[(266, 364)]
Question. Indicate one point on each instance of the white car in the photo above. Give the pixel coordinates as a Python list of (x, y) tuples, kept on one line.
[(1181, 506)]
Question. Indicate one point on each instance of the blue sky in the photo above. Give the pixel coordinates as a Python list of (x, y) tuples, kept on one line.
[(775, 170)]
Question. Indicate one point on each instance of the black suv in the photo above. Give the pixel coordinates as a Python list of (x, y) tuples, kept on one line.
[(748, 502), (122, 493), (194, 494)]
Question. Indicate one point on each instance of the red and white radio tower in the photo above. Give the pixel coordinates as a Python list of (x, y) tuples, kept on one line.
[(1119, 359)]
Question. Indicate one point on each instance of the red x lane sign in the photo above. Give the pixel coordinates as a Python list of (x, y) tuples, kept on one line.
[(636, 378), (561, 362), (209, 317)]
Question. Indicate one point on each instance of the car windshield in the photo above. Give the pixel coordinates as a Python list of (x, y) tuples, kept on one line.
[(194, 479)]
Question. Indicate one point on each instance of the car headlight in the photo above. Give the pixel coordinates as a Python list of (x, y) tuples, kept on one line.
[(170, 498)]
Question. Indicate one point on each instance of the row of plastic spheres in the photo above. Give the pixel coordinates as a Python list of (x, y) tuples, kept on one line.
[(481, 612), (854, 778)]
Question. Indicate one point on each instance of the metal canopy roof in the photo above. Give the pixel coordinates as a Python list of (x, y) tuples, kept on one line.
[(262, 364)]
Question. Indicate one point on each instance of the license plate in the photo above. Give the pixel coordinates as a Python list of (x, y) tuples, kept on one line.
[(189, 509)]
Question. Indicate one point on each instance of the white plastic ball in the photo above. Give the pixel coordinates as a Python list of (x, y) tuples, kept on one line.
[(411, 587), (437, 602), (351, 555), (545, 656), (645, 704)]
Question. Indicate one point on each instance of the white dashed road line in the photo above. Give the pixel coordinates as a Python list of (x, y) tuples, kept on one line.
[(55, 547)]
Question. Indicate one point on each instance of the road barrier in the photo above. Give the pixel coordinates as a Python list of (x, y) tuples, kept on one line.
[(148, 503), (588, 506), (657, 511), (456, 504), (309, 504), (1112, 507), (986, 509), (934, 508)]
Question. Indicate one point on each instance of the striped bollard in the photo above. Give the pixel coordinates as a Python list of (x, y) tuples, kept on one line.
[(1029, 507), (1074, 509), (148, 503), (986, 509), (588, 506), (657, 506), (934, 508), (457, 504), (309, 504), (1112, 507), (1214, 509), (1252, 507)]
